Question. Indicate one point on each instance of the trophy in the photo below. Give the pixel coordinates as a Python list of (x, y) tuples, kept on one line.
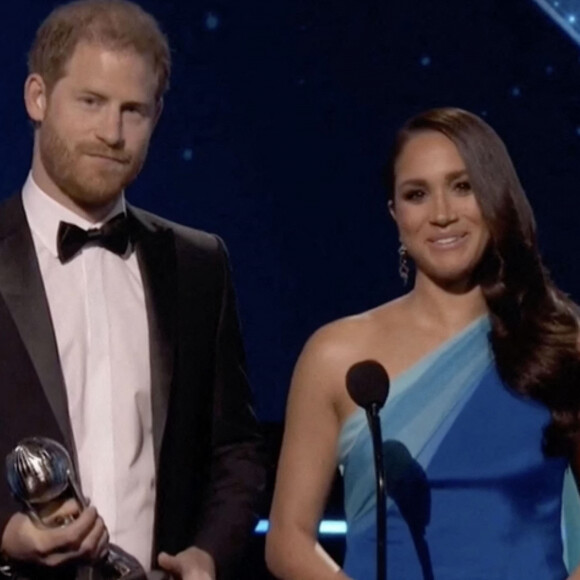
[(41, 477)]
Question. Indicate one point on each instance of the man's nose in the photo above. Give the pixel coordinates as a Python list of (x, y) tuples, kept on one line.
[(110, 128)]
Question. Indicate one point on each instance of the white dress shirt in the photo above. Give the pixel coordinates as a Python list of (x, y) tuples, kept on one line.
[(99, 316)]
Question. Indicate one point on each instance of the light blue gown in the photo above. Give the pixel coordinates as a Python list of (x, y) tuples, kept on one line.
[(471, 495)]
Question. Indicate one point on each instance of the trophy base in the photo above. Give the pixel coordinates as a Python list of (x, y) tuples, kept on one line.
[(101, 571)]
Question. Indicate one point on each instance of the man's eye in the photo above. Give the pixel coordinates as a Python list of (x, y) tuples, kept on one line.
[(90, 101), (136, 111)]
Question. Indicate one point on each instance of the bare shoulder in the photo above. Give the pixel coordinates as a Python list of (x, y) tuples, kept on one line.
[(343, 341), (334, 348)]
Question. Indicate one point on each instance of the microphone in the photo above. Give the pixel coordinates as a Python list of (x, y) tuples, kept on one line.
[(367, 383)]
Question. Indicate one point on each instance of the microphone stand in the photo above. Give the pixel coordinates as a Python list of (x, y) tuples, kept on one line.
[(372, 412)]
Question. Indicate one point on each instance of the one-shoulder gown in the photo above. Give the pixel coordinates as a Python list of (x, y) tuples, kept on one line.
[(471, 494)]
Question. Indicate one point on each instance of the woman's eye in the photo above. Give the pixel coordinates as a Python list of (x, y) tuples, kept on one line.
[(463, 186), (414, 195)]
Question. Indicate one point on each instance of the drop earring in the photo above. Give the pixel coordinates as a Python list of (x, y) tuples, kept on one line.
[(403, 264)]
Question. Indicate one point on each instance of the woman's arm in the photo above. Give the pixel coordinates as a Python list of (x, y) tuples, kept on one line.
[(575, 468), (307, 466)]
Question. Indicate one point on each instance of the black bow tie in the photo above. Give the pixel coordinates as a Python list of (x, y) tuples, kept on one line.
[(114, 235)]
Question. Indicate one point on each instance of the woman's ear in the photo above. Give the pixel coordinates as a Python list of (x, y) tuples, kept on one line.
[(158, 110), (391, 205)]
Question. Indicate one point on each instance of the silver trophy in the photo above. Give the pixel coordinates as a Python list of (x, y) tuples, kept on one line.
[(41, 477)]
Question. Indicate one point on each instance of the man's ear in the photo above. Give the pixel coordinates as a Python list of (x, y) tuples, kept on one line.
[(35, 97)]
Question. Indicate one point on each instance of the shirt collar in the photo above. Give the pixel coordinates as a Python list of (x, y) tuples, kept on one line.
[(44, 214)]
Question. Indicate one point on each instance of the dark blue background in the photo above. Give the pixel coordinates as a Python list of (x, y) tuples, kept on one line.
[(278, 121)]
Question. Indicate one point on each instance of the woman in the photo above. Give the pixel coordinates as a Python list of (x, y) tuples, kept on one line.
[(484, 403)]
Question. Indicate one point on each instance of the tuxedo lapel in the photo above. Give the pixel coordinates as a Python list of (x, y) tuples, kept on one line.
[(23, 291), (155, 246)]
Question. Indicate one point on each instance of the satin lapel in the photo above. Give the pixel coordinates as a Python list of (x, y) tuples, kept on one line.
[(155, 246), (23, 291)]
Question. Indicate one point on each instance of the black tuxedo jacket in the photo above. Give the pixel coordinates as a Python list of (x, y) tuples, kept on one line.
[(206, 444)]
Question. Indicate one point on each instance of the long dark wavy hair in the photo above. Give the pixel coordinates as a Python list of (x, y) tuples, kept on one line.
[(534, 326)]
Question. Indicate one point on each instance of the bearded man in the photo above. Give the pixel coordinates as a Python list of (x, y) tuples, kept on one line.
[(121, 338)]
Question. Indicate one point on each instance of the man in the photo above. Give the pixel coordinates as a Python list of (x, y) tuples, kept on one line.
[(120, 333)]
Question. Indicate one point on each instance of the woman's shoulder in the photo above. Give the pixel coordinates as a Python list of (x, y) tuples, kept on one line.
[(381, 318), (344, 341)]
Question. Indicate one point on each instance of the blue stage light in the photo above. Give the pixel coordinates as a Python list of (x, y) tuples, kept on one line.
[(212, 20), (565, 13), (326, 528)]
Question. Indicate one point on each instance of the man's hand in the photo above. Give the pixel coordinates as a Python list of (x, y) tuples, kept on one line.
[(191, 564), (85, 538)]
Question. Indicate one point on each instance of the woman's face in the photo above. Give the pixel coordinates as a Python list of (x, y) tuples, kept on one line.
[(436, 211)]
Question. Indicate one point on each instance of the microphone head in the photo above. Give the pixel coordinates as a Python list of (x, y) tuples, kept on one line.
[(367, 383)]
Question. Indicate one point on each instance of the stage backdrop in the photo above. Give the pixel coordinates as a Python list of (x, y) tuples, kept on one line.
[(279, 119)]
